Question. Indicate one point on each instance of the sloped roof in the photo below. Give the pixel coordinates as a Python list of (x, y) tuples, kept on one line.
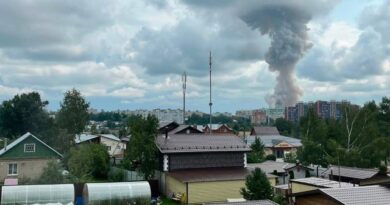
[(322, 183), (86, 137), (365, 195), (270, 166), (351, 172), (212, 174), (265, 130), (273, 140), (22, 138), (181, 128), (182, 143), (253, 202)]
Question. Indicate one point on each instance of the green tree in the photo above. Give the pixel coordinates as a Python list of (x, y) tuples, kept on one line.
[(257, 153), (142, 152), (89, 160), (257, 186), (285, 127), (52, 174), (72, 116), (24, 113), (314, 136)]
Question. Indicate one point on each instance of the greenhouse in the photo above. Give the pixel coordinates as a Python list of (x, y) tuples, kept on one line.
[(116, 193), (59, 194)]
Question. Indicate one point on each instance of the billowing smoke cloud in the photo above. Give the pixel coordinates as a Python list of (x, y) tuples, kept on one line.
[(285, 22)]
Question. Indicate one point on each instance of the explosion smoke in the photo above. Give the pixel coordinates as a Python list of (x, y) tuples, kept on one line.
[(286, 27)]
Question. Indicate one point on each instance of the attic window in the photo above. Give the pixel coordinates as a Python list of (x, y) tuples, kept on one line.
[(29, 147)]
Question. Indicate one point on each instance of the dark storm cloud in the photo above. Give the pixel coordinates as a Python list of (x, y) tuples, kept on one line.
[(186, 46)]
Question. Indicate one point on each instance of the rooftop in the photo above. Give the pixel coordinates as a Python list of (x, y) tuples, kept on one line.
[(265, 130), (182, 143), (351, 172), (254, 202), (321, 183), (366, 195), (273, 140), (270, 166), (20, 139), (86, 137)]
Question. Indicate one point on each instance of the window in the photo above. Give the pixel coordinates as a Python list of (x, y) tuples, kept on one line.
[(29, 147), (12, 169)]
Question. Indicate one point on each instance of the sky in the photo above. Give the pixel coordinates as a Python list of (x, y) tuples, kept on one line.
[(129, 54)]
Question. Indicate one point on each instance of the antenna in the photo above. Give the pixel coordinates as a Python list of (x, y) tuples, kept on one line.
[(184, 81), (210, 103)]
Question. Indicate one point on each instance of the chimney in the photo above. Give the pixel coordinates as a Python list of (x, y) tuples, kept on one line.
[(166, 132), (5, 144)]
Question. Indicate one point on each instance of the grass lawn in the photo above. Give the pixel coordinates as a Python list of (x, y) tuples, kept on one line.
[(167, 201)]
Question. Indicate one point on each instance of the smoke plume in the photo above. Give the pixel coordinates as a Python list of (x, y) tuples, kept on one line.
[(286, 26), (285, 22)]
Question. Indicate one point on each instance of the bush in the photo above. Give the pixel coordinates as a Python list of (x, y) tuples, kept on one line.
[(270, 157), (116, 175), (89, 160), (52, 174)]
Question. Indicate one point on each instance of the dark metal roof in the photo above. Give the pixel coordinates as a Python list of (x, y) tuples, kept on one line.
[(183, 127), (365, 195), (351, 172), (254, 202), (184, 143), (321, 183), (212, 174), (265, 130), (270, 166)]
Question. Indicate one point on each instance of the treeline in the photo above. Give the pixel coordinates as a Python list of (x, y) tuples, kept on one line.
[(360, 138), (236, 123), (27, 112)]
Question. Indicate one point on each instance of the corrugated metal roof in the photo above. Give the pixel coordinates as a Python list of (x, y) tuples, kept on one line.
[(351, 172), (321, 183), (20, 139), (212, 174), (254, 202), (270, 166), (265, 130), (272, 140), (366, 195), (200, 143)]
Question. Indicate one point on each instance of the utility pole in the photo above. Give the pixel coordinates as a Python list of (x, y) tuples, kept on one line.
[(210, 103), (184, 81)]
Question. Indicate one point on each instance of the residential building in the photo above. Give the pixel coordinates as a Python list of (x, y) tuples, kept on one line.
[(323, 109), (258, 117), (359, 176), (218, 129), (275, 113), (244, 113), (367, 195), (203, 168), (277, 145), (115, 146), (284, 171), (26, 157)]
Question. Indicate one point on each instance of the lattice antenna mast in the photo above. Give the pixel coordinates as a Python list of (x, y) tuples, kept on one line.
[(210, 103), (184, 81)]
